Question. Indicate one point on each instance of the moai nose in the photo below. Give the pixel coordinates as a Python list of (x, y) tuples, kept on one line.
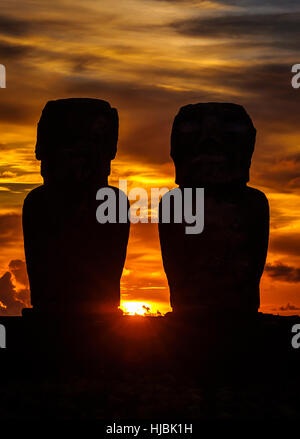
[(209, 136), (208, 146)]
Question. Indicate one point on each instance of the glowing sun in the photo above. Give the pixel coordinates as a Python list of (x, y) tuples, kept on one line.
[(135, 308)]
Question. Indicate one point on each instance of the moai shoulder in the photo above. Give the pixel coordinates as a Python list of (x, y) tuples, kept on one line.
[(219, 269)]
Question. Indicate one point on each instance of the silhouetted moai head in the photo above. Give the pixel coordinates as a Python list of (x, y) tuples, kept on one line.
[(212, 143), (220, 268), (76, 140), (73, 262)]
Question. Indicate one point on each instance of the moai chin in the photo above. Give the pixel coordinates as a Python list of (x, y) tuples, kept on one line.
[(218, 270), (74, 263)]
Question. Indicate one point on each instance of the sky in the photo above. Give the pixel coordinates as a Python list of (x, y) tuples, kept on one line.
[(148, 58)]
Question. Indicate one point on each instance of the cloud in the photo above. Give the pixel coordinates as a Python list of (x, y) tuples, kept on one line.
[(239, 3), (282, 272), (285, 243), (270, 30), (148, 131), (18, 269), (11, 199), (12, 301), (16, 113), (289, 307), (10, 51), (255, 3), (13, 26), (248, 26), (9, 305), (83, 18), (282, 174), (10, 229)]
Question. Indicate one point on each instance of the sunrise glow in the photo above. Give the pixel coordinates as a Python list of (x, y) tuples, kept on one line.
[(147, 65), (136, 308)]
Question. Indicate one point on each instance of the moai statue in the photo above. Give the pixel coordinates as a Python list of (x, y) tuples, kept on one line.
[(74, 263), (218, 270)]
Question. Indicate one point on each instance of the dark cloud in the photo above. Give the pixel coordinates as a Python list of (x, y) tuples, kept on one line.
[(19, 187), (282, 218), (289, 307), (246, 25), (255, 3), (12, 171), (282, 272), (62, 24), (12, 51), (10, 229), (17, 112), (240, 3), (270, 84), (283, 173), (18, 269), (285, 243), (12, 301), (13, 26), (149, 133)]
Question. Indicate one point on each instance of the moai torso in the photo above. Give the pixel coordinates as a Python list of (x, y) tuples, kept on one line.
[(73, 262), (220, 268)]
